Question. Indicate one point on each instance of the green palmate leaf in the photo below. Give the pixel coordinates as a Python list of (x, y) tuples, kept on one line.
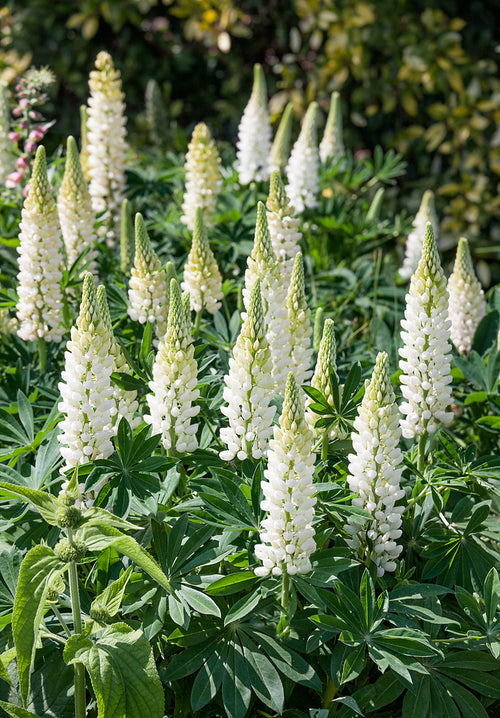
[(199, 601), (208, 679), (492, 594), (187, 662), (233, 583), (3, 672), (100, 517), (39, 568), (122, 670), (290, 663), (25, 412), (236, 692), (16, 711), (264, 678), (45, 504), (110, 600), (486, 333), (243, 607)]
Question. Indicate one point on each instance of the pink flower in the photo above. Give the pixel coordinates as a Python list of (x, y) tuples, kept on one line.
[(17, 111), (36, 135), (13, 179), (23, 125), (30, 146), (23, 102), (14, 136), (21, 163)]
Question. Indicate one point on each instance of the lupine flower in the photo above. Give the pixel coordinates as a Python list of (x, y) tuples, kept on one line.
[(283, 226), (327, 356), (426, 350), (6, 155), (466, 306), (254, 133), (106, 144), (375, 472), (332, 144), (203, 177), (202, 278), (280, 149), (287, 534), (127, 239), (299, 316), (156, 115), (147, 287), (415, 241), (75, 208), (84, 151), (303, 166), (39, 309), (87, 402), (173, 388), (249, 388), (126, 401)]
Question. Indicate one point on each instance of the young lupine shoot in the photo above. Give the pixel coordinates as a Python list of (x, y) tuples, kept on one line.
[(283, 226), (88, 403), (254, 134), (203, 177), (375, 472), (84, 142), (319, 322), (106, 145), (303, 166), (127, 239), (299, 316), (280, 149), (40, 306), (75, 209), (156, 115), (327, 357), (466, 305), (7, 157), (202, 278), (249, 388), (126, 401), (287, 534), (415, 241), (426, 351), (170, 274), (332, 144), (173, 388), (147, 288)]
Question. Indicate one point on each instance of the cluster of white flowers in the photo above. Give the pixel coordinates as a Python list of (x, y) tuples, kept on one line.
[(39, 310), (287, 534), (375, 472), (283, 226), (148, 284), (299, 316), (254, 134), (327, 356), (6, 155), (415, 241), (249, 388), (332, 144), (466, 305), (203, 177), (426, 350), (303, 166), (202, 278), (280, 149), (75, 208), (173, 388), (106, 146)]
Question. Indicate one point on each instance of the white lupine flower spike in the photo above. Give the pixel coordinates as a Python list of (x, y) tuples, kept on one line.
[(147, 288), (202, 278), (299, 316), (426, 351), (106, 145), (203, 177), (283, 226), (287, 534), (414, 243), (375, 472), (254, 134), (304, 164), (332, 144), (249, 388), (173, 388), (39, 310), (466, 305), (280, 149), (88, 404), (75, 209), (327, 356)]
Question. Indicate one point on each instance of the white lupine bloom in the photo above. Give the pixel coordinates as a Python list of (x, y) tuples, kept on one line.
[(332, 144), (173, 388), (202, 278), (375, 472), (126, 401), (426, 350), (87, 402), (287, 534), (466, 305), (249, 388), (75, 208), (254, 134), (415, 241), (263, 265), (299, 316), (8, 324), (7, 158), (39, 310), (303, 166), (283, 226), (148, 284), (327, 357), (106, 146), (203, 177), (280, 149)]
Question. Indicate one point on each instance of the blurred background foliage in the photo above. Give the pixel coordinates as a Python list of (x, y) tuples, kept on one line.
[(421, 77)]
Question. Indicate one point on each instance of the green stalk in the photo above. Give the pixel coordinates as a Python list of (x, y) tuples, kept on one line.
[(325, 443), (42, 354), (421, 452), (283, 627), (80, 702), (61, 620), (197, 322), (331, 690)]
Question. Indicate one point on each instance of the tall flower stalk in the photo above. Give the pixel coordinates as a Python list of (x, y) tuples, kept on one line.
[(280, 149), (127, 239), (203, 177), (414, 243), (299, 316), (466, 305), (254, 133), (303, 166), (331, 146)]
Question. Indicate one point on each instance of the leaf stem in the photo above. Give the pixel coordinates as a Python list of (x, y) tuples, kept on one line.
[(421, 452), (61, 620), (42, 354), (80, 702), (331, 690), (197, 322), (325, 443)]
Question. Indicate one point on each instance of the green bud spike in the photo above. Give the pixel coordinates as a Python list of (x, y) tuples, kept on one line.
[(84, 152), (318, 329), (102, 303), (39, 185), (380, 383), (178, 329), (296, 298), (332, 144), (263, 247), (254, 325), (278, 198), (145, 256), (259, 90), (127, 241), (328, 348), (89, 318), (292, 415), (200, 238), (156, 115), (375, 206), (170, 274), (309, 131), (186, 303), (430, 262), (73, 174), (280, 149), (463, 261)]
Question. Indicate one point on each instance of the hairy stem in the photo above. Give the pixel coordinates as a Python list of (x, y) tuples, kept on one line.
[(80, 702)]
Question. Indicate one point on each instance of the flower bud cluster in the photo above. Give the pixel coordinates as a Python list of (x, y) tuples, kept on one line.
[(299, 316), (203, 177), (303, 166), (254, 134), (202, 278), (327, 357), (331, 146), (283, 226), (280, 149), (414, 243), (466, 305)]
